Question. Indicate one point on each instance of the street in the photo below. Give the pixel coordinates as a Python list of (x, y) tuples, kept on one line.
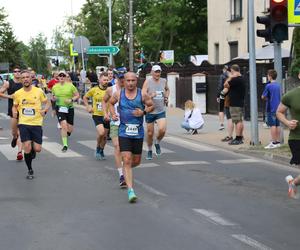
[(195, 196)]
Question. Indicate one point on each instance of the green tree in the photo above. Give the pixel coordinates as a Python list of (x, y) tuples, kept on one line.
[(295, 65)]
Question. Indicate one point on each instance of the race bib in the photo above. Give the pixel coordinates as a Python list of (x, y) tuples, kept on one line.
[(159, 94), (99, 106), (63, 110), (132, 129), (28, 111)]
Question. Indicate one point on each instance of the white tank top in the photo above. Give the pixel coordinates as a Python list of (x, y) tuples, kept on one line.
[(116, 106)]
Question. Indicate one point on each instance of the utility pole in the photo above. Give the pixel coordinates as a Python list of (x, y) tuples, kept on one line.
[(130, 35), (110, 30), (252, 74)]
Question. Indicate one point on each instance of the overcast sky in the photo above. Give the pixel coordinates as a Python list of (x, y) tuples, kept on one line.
[(29, 17)]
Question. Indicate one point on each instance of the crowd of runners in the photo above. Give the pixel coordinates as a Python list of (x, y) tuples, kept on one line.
[(117, 107)]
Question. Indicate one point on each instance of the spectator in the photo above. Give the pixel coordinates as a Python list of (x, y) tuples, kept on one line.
[(193, 119), (221, 82), (272, 94)]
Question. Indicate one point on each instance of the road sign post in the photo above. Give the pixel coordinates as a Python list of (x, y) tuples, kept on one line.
[(103, 50)]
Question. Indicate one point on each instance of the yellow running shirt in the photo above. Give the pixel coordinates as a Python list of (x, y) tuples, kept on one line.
[(29, 106), (97, 95)]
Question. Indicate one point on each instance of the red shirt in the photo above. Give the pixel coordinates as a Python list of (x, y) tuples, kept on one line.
[(51, 83)]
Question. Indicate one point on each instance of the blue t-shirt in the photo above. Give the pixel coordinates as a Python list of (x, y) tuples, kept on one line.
[(273, 94)]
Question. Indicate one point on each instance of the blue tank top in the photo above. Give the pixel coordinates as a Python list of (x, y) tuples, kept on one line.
[(131, 126)]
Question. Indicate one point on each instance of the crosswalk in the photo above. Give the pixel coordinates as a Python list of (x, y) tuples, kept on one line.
[(4, 116)]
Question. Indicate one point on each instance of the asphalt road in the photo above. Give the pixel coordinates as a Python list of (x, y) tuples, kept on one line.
[(194, 196)]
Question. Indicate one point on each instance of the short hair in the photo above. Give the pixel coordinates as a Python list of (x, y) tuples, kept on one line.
[(26, 71), (189, 104), (16, 67), (235, 67), (103, 74), (272, 73)]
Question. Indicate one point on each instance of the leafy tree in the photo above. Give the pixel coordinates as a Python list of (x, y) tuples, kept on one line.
[(295, 65)]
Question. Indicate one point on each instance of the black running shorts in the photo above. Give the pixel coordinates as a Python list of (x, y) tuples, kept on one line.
[(133, 145)]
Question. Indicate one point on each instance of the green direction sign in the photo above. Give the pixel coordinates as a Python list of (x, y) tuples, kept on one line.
[(96, 50)]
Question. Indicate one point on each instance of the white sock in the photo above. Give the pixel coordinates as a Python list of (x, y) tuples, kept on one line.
[(157, 141), (120, 170), (149, 148)]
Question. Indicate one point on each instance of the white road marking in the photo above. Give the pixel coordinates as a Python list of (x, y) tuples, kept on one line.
[(45, 137), (214, 217), (143, 165), (150, 189), (4, 116), (237, 161), (4, 138), (108, 150), (250, 242), (178, 163), (55, 149), (189, 145), (9, 152), (163, 150)]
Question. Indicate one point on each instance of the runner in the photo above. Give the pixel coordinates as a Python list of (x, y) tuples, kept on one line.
[(114, 125), (131, 131), (50, 85), (64, 94), (28, 106), (157, 88), (97, 93), (10, 87)]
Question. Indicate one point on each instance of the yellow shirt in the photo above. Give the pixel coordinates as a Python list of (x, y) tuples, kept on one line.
[(97, 95), (29, 106)]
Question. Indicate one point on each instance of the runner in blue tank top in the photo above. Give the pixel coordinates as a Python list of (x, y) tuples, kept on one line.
[(132, 108)]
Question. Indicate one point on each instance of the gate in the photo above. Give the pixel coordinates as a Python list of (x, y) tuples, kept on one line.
[(183, 91)]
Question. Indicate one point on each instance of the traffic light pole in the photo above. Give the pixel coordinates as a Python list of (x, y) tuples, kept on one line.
[(252, 73)]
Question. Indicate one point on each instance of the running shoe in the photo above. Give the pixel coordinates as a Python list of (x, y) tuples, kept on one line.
[(272, 145), (149, 155), (122, 182), (194, 132), (97, 155), (19, 156), (30, 175), (292, 192), (157, 149), (64, 149), (221, 127), (102, 156), (236, 142), (227, 139), (14, 142), (131, 196)]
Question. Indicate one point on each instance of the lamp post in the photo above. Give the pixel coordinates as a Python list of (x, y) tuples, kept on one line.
[(110, 29)]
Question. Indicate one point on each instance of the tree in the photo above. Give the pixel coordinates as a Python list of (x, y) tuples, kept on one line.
[(295, 65)]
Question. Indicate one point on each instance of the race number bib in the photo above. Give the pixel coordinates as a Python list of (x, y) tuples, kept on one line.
[(63, 110), (99, 106), (28, 111), (159, 94), (132, 129)]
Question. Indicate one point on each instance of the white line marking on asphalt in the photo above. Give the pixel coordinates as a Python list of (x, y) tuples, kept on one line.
[(55, 149), (108, 150), (150, 189), (9, 152), (188, 145), (163, 150), (45, 137), (214, 217), (4, 138), (250, 242), (178, 163), (4, 116), (239, 161)]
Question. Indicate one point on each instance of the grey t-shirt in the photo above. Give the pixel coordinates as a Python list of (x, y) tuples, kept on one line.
[(159, 89)]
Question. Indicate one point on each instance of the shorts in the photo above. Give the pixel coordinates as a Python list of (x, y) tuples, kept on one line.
[(221, 105), (133, 145), (69, 117), (227, 113), (114, 131), (100, 120), (150, 118), (272, 120), (53, 105), (236, 114), (295, 149), (31, 133)]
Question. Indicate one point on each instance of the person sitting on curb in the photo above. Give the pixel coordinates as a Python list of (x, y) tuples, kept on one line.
[(193, 119)]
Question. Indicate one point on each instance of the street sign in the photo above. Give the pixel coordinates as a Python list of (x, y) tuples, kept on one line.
[(294, 11), (81, 44), (72, 51), (97, 50)]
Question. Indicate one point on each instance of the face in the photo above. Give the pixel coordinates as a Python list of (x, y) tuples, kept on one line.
[(61, 77), (17, 73), (104, 81), (130, 81), (110, 74), (156, 74), (26, 79)]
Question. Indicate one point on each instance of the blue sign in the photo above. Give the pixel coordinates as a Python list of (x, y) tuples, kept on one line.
[(297, 8)]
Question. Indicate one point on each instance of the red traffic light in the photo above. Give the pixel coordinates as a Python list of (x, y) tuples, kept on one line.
[(279, 19), (279, 13)]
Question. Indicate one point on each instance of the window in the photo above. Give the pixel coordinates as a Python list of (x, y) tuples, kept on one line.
[(217, 53), (234, 49), (236, 10)]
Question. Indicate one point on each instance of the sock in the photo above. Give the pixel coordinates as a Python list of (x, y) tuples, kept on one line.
[(69, 133), (157, 141), (28, 160), (120, 170), (65, 141), (149, 148), (276, 142), (98, 149), (239, 138)]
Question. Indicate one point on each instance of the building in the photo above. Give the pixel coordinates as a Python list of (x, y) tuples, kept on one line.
[(228, 29)]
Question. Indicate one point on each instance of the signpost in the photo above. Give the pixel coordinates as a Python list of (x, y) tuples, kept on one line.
[(106, 50)]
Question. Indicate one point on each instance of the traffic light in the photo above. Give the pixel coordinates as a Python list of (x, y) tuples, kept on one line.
[(279, 20), (266, 33)]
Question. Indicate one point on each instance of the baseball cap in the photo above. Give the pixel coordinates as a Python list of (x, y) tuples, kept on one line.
[(156, 68), (62, 72), (120, 72)]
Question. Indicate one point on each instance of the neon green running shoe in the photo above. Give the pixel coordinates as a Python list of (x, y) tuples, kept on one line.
[(131, 196)]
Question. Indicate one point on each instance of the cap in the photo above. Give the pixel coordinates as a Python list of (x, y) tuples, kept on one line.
[(62, 72), (120, 72), (156, 68)]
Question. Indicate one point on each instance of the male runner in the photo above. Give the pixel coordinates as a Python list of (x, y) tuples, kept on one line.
[(114, 125), (97, 93), (157, 88), (10, 87), (131, 131), (28, 106), (64, 94)]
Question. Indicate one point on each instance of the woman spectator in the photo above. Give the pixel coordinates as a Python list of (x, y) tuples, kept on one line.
[(193, 119)]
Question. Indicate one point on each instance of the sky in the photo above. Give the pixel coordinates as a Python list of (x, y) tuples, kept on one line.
[(29, 17)]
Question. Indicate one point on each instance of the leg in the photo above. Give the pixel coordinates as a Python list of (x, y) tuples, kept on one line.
[(150, 134), (136, 160), (185, 125), (127, 165), (162, 127)]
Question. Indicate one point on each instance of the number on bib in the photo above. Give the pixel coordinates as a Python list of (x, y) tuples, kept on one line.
[(28, 111), (132, 129), (99, 106), (63, 110), (159, 94)]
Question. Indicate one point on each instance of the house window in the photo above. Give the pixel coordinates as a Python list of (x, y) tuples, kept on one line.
[(217, 53), (236, 10), (233, 49)]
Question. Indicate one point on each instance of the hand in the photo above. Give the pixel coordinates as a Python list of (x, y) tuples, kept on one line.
[(115, 117), (68, 101), (43, 112), (106, 117), (292, 124), (15, 115), (89, 109), (166, 99), (152, 95), (138, 112)]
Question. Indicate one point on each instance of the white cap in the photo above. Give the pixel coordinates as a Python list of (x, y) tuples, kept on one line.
[(156, 67)]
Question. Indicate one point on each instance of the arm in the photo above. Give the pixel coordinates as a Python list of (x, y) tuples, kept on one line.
[(105, 103), (4, 89), (112, 101), (85, 99), (167, 93), (47, 104), (280, 113), (145, 88), (15, 111)]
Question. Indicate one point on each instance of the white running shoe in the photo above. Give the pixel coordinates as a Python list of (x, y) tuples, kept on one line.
[(271, 145)]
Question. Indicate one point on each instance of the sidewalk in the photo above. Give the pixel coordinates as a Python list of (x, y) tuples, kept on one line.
[(212, 136)]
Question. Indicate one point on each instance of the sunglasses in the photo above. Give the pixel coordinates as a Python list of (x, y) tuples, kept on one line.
[(17, 71), (62, 75)]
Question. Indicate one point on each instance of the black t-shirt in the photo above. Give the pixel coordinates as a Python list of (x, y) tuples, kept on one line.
[(237, 91)]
